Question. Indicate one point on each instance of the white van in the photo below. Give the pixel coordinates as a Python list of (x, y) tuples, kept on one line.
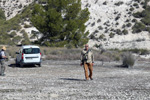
[(28, 54)]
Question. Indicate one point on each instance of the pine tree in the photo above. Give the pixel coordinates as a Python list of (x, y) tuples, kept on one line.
[(61, 22), (2, 15)]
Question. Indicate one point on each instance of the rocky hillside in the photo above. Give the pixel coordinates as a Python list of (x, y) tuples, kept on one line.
[(110, 24)]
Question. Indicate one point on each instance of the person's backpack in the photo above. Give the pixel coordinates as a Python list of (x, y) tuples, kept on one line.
[(1, 55)]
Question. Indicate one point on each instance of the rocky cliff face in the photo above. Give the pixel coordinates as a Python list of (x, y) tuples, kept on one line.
[(110, 23)]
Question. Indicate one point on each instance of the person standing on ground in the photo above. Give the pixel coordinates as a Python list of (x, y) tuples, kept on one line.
[(2, 60), (87, 60)]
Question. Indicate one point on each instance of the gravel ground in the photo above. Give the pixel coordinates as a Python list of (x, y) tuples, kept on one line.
[(64, 80)]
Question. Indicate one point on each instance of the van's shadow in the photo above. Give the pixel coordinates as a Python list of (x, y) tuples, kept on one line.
[(72, 79), (17, 66)]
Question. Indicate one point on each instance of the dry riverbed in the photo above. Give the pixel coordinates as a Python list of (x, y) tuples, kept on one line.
[(64, 80)]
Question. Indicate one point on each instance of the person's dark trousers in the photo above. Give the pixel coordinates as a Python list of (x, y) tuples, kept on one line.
[(2, 62)]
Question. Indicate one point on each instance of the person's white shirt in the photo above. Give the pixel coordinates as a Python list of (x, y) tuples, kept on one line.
[(3, 53)]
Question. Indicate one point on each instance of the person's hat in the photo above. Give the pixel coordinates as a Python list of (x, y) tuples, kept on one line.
[(4, 48)]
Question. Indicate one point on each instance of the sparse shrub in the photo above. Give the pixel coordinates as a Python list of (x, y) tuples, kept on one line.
[(146, 20), (16, 39), (123, 26), (134, 20), (111, 35), (137, 15), (96, 1), (112, 30), (107, 23), (92, 36), (100, 27), (118, 31), (137, 1), (23, 31), (92, 24), (142, 14), (129, 13), (27, 26), (117, 18), (129, 25), (20, 6), (97, 46), (138, 27), (69, 46), (116, 58), (96, 31), (117, 23), (105, 3), (136, 5), (106, 31), (139, 40), (139, 51), (12, 34), (125, 32), (128, 60), (147, 29), (101, 36), (131, 9), (99, 20), (127, 20), (25, 42), (144, 52), (119, 3), (16, 27)]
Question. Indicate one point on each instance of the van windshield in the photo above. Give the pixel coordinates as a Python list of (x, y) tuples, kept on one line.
[(31, 50)]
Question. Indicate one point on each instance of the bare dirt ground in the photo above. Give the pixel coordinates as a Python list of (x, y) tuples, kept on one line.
[(64, 80)]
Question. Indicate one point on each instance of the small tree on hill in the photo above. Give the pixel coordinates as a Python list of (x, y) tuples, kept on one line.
[(61, 22)]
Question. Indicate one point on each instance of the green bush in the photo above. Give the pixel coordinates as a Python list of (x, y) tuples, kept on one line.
[(137, 1), (119, 3), (134, 20), (138, 27), (129, 25), (17, 39), (128, 60), (105, 3), (99, 20), (92, 36), (144, 51), (146, 20), (102, 36), (111, 35), (27, 26), (125, 32), (136, 5), (12, 34), (131, 9), (100, 27), (23, 31), (93, 24), (118, 31), (2, 15), (69, 46)]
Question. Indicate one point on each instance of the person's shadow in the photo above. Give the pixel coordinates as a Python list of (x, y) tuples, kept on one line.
[(72, 79), (18, 66)]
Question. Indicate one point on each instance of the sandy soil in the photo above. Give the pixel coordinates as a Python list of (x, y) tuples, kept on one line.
[(64, 80)]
